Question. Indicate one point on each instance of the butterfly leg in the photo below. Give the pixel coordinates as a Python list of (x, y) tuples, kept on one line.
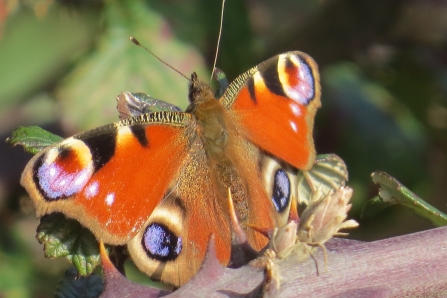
[(241, 251)]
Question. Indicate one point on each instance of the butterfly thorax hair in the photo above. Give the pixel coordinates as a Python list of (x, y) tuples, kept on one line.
[(211, 116), (218, 135)]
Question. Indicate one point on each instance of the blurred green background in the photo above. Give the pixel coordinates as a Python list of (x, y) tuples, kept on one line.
[(383, 68)]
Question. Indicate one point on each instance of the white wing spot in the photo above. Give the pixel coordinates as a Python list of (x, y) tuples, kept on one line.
[(110, 198), (295, 109), (92, 190), (294, 126)]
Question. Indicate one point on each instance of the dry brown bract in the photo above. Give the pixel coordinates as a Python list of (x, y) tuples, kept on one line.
[(323, 218)]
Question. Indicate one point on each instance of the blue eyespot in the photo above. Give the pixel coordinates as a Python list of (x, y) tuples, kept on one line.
[(160, 243), (281, 191)]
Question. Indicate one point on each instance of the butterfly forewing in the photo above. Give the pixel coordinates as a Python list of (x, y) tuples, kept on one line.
[(274, 105), (111, 178)]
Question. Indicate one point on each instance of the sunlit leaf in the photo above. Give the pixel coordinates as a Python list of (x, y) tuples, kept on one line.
[(329, 172), (63, 237), (392, 192), (32, 138)]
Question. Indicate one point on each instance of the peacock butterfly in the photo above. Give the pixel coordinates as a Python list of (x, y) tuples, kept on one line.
[(158, 181)]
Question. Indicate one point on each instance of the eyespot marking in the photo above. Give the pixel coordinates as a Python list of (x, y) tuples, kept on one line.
[(64, 170), (160, 243), (281, 190), (296, 78)]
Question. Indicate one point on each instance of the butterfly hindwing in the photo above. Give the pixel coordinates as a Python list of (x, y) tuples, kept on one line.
[(110, 178), (259, 198), (172, 245), (274, 105)]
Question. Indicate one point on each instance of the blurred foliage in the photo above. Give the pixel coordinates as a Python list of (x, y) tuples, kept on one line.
[(384, 80)]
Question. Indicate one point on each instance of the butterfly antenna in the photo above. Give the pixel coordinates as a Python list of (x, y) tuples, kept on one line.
[(218, 39), (135, 41)]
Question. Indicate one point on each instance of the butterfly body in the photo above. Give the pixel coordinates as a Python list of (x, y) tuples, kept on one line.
[(159, 181)]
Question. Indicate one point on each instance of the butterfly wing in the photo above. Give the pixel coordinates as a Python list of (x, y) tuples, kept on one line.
[(172, 245), (110, 178), (135, 104), (275, 103), (143, 182), (273, 106)]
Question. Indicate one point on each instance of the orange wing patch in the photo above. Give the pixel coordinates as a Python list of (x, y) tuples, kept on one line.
[(276, 106), (117, 195)]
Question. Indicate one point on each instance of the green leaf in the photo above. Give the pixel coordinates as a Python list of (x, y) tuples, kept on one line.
[(329, 172), (374, 207), (64, 237), (32, 138), (392, 192), (73, 286)]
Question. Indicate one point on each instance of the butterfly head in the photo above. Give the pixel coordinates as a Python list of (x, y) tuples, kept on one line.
[(199, 91)]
